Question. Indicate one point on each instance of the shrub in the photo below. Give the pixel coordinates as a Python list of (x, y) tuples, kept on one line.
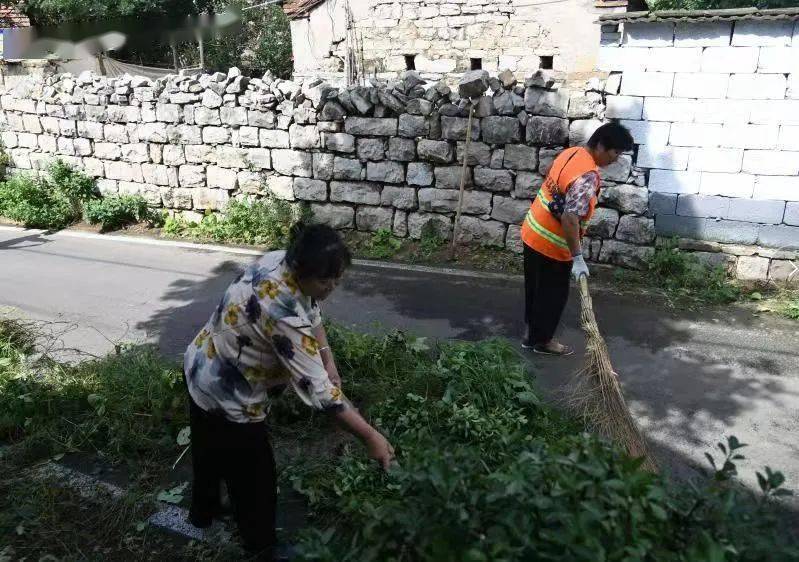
[(383, 244), (115, 211), (718, 4)]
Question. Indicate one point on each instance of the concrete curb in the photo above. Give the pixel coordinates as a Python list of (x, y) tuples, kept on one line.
[(145, 241)]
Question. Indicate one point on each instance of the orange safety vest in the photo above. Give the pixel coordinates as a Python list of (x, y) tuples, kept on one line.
[(542, 230)]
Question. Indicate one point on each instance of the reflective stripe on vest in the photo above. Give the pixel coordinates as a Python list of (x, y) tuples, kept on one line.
[(542, 231)]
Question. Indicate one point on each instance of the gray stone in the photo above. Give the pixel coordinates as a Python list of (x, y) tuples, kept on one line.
[(638, 230), (292, 163), (323, 165), (497, 158), (714, 260), (355, 192), (107, 151), (755, 210), (304, 137), (503, 103), (420, 173), (690, 205), (508, 79), (371, 219), (335, 216), (509, 210), (439, 152), (306, 189), (752, 268), (483, 232), (627, 255), (236, 116), (784, 272), (211, 99), (347, 168), (493, 180), (248, 136), (371, 126), (114, 133), (250, 182), (484, 107), (728, 232), (446, 200), (200, 153), (157, 174), (255, 118), (412, 126), (332, 111), (339, 142), (137, 152), (281, 187), (449, 177), (580, 131), (221, 177), (625, 198), (547, 131), (92, 130), (527, 185), (400, 227), (371, 149), (176, 198), (329, 127), (791, 213), (513, 239), (167, 112), (479, 154), (216, 135), (581, 107), (551, 104), (385, 172), (401, 149), (418, 223), (531, 97), (603, 223), (273, 138), (455, 128), (520, 157), (473, 84), (419, 107), (619, 171), (188, 175), (662, 204), (184, 134), (206, 116), (231, 157), (501, 130), (398, 197), (258, 158), (780, 236)]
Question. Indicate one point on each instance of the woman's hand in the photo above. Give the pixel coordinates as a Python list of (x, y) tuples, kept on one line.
[(379, 449)]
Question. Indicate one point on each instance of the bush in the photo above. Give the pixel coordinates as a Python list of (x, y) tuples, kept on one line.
[(718, 4), (116, 211), (264, 222), (382, 245)]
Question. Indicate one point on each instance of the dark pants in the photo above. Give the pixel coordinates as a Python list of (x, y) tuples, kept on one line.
[(241, 455), (546, 290)]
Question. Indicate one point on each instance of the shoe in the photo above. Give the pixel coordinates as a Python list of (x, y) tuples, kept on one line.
[(527, 345), (541, 350)]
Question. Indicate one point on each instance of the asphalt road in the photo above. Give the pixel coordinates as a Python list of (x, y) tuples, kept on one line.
[(691, 378)]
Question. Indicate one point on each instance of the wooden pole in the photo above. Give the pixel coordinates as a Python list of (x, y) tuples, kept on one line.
[(100, 63), (455, 228)]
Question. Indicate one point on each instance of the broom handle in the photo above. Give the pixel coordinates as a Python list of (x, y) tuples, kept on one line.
[(584, 286)]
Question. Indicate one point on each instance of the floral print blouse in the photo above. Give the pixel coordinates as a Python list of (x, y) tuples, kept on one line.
[(257, 341)]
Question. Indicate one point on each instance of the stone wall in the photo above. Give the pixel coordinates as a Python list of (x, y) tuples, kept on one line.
[(714, 108)]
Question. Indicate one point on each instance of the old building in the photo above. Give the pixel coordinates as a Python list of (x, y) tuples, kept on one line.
[(442, 38)]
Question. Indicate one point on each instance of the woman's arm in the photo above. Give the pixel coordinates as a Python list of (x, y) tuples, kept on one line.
[(376, 445), (327, 355)]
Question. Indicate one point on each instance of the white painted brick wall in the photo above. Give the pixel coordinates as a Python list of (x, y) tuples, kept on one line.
[(727, 160), (762, 33), (649, 35), (647, 83), (781, 188), (700, 85), (669, 109), (778, 59), (649, 133), (669, 59), (775, 111), (789, 137), (728, 185), (723, 111), (749, 136), (757, 87), (624, 107), (730, 59), (617, 59), (771, 162), (706, 34), (665, 181), (663, 157), (695, 134), (793, 86)]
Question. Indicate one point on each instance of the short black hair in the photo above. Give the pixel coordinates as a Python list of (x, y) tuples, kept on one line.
[(612, 136), (316, 251)]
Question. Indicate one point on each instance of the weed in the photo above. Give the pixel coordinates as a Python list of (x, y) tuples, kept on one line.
[(116, 211), (382, 245)]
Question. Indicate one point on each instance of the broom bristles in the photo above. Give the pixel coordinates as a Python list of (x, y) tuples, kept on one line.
[(597, 396)]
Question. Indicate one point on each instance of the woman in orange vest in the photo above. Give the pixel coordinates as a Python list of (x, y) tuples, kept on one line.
[(553, 229)]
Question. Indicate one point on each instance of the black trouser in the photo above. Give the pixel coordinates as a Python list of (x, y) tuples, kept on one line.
[(546, 290), (241, 455)]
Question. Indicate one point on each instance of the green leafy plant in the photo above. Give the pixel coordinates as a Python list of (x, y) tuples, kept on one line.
[(383, 244), (115, 211), (718, 4)]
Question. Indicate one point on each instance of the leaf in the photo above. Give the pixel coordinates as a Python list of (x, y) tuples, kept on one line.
[(710, 460), (528, 397), (418, 345), (734, 444), (5, 361), (756, 296), (20, 529), (94, 399), (174, 495), (658, 512), (58, 457), (762, 482), (184, 437), (141, 526)]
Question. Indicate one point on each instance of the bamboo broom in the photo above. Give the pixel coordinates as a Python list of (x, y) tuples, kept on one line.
[(597, 395)]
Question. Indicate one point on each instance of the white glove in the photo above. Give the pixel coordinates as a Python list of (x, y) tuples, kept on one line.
[(579, 267)]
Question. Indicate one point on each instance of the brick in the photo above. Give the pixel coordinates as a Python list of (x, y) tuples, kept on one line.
[(777, 187), (649, 34), (729, 185), (509, 210), (753, 210), (727, 160), (771, 163), (679, 60), (700, 85), (782, 60), (789, 137), (749, 136), (627, 59), (647, 83), (581, 130), (624, 107), (371, 126), (479, 154), (258, 158), (775, 112), (791, 214), (762, 33), (651, 134), (724, 231), (723, 111), (191, 176), (273, 138), (702, 34), (730, 59), (695, 134), (663, 157), (780, 236), (292, 163), (666, 181), (221, 177), (703, 206), (205, 198), (398, 197), (446, 200), (371, 219), (281, 187), (757, 86), (665, 109)]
